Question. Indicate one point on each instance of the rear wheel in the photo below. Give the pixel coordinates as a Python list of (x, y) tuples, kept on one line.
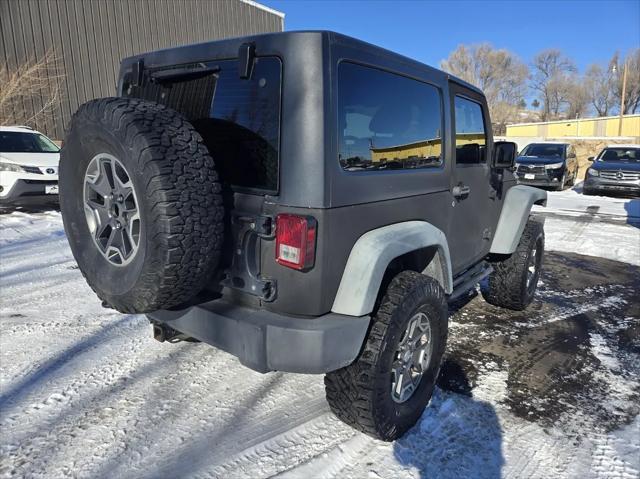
[(384, 392), (513, 283), (141, 204)]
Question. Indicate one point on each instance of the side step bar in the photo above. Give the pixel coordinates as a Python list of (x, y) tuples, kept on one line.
[(467, 280)]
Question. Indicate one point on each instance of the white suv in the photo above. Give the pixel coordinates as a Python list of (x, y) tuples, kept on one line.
[(28, 165)]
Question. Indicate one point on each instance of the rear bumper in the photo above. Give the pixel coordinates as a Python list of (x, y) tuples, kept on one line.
[(266, 341)]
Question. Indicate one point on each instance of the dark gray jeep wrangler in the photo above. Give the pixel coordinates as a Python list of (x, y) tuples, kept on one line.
[(304, 201)]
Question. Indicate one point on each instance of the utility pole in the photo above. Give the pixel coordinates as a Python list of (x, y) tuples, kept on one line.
[(624, 91)]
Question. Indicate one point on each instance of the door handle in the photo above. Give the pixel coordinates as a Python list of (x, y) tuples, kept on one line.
[(460, 190)]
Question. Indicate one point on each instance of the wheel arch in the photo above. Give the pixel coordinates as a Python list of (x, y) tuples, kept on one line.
[(513, 217), (377, 254)]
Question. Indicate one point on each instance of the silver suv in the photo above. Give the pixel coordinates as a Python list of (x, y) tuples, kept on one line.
[(615, 169)]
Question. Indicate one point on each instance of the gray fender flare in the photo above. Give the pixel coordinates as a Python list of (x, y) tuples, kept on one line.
[(513, 218), (373, 252)]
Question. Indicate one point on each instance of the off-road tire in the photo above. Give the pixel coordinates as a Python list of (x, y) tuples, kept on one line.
[(360, 394), (507, 285), (180, 205)]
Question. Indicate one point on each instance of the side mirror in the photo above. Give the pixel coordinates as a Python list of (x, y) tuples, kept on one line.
[(504, 154), (591, 158)]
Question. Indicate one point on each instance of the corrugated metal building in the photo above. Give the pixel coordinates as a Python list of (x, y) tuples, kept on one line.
[(89, 37)]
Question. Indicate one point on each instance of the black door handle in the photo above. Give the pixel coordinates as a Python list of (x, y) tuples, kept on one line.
[(460, 190)]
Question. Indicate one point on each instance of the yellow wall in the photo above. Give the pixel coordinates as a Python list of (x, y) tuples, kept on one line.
[(587, 127), (422, 149)]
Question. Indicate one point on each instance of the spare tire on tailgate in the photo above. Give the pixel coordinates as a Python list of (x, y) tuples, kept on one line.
[(141, 204)]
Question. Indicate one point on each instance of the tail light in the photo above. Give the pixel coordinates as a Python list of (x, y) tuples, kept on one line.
[(295, 241)]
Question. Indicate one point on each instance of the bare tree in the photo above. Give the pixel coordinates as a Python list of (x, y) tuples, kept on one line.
[(632, 94), (599, 84), (551, 75), (577, 98), (498, 72), (30, 94)]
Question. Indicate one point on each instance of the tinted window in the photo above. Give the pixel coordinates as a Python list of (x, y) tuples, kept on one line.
[(238, 119), (544, 151), (18, 142), (620, 154), (471, 139), (386, 121)]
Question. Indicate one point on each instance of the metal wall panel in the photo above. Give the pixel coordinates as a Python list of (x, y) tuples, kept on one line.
[(91, 36)]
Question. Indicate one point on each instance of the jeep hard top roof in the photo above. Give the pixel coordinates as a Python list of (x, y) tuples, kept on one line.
[(228, 48)]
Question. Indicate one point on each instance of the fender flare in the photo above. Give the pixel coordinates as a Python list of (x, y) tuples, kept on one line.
[(514, 216), (372, 253)]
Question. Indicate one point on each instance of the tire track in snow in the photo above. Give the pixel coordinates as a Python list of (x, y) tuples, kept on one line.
[(305, 439), (135, 408)]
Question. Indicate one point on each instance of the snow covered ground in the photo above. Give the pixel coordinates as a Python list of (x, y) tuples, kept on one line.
[(572, 200), (551, 392)]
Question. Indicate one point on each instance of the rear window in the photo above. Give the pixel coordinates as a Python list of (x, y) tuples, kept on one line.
[(239, 119), (19, 142), (387, 121)]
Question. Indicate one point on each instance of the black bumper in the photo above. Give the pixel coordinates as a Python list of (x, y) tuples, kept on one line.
[(539, 182), (266, 341), (550, 178), (28, 191), (611, 186)]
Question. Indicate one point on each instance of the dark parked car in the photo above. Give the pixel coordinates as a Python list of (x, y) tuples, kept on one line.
[(615, 169), (305, 201), (547, 164)]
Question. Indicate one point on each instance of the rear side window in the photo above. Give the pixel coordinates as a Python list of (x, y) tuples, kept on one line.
[(387, 121), (471, 139), (238, 119)]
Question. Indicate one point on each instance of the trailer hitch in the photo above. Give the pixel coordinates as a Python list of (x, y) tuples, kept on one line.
[(162, 333)]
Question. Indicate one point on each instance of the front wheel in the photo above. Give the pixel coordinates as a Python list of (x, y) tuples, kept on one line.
[(513, 282), (384, 392)]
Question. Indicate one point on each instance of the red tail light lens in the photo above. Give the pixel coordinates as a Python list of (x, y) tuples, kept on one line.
[(295, 241)]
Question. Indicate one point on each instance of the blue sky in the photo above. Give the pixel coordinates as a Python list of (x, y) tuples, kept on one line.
[(588, 31)]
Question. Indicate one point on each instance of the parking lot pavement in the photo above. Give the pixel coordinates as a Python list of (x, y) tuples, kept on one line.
[(550, 392)]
